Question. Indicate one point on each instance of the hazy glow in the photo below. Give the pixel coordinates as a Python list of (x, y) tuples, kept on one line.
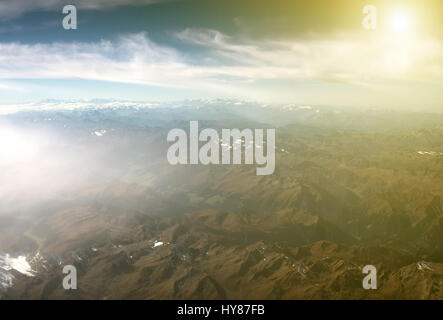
[(16, 147), (400, 21)]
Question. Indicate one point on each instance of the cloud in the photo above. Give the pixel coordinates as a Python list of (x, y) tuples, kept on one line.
[(231, 66), (131, 59), (356, 58), (11, 9)]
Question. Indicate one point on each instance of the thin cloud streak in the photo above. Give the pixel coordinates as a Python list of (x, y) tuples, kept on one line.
[(346, 57)]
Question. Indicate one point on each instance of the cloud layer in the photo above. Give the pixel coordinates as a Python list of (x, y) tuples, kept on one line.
[(344, 57), (231, 64), (134, 58)]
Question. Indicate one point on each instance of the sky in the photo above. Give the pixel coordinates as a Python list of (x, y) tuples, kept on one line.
[(282, 51)]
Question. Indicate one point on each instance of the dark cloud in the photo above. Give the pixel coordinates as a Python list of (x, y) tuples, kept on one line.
[(13, 9)]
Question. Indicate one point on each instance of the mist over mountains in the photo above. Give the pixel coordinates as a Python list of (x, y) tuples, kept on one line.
[(88, 183)]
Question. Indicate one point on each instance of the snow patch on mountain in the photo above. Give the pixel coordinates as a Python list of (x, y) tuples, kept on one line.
[(9, 265)]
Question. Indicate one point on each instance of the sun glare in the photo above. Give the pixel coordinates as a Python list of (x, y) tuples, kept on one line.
[(400, 21)]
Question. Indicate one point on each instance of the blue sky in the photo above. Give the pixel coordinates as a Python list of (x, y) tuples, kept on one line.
[(306, 52)]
